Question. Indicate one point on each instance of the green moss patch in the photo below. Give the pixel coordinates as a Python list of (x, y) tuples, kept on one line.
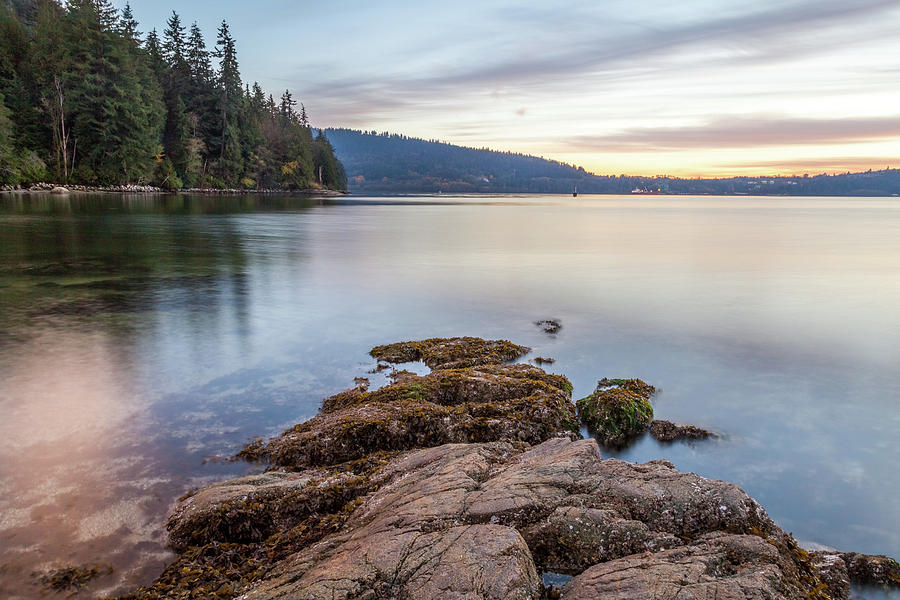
[(617, 411)]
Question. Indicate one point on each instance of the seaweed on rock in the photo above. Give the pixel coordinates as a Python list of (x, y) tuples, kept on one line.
[(618, 410), (450, 353)]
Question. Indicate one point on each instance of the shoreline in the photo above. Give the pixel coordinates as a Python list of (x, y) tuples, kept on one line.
[(63, 190)]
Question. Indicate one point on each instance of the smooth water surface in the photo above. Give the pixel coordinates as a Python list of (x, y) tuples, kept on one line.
[(143, 336)]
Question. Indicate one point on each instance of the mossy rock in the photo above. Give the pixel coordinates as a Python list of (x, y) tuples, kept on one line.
[(616, 415), (451, 353), (474, 404)]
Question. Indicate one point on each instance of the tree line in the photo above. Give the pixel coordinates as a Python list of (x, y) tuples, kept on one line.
[(87, 98)]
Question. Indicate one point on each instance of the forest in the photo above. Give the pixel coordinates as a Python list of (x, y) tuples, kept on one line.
[(87, 98), (386, 163)]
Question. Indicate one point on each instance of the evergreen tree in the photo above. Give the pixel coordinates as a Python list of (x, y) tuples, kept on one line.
[(81, 91), (230, 104), (198, 59), (129, 26), (8, 170), (174, 44), (154, 48)]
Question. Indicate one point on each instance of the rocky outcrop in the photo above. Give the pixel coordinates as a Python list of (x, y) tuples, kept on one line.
[(668, 432), (484, 520), (474, 404), (368, 500), (618, 411), (451, 353)]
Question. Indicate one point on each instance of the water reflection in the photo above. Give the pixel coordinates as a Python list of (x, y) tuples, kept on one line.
[(142, 335)]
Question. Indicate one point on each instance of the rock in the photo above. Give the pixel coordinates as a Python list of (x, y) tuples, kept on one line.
[(482, 520), (475, 404), (618, 411), (542, 360), (720, 566), (863, 569), (667, 432), (250, 509), (72, 579), (549, 326), (59, 191), (451, 353), (832, 570)]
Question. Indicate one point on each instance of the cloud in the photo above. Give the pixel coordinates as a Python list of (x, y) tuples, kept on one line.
[(837, 164), (594, 50), (742, 132)]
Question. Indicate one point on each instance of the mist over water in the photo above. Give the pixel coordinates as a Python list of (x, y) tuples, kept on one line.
[(141, 336)]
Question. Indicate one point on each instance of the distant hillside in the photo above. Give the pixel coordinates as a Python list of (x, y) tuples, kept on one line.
[(382, 163), (393, 163)]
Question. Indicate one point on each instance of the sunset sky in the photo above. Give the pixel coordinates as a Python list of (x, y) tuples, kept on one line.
[(690, 88)]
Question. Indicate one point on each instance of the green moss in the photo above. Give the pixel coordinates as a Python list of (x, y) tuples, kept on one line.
[(615, 414)]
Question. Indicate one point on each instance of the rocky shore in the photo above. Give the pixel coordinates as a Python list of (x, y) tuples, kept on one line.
[(473, 482), (44, 188)]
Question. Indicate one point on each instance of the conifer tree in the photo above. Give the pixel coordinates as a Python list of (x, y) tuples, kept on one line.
[(81, 91)]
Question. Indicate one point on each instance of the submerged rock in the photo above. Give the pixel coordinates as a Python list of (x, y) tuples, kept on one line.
[(451, 353), (550, 326), (72, 579), (667, 432), (618, 411)]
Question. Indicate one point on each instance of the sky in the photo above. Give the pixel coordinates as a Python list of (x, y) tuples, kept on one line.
[(689, 88)]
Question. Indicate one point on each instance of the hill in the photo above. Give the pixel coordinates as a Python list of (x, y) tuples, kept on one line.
[(384, 163)]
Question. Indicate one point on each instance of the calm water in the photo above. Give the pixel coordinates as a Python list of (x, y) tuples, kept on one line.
[(141, 336)]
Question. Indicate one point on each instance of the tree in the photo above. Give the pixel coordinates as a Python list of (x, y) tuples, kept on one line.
[(231, 104), (82, 92), (174, 43), (129, 25)]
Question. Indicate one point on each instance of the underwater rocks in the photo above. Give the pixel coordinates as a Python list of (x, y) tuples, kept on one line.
[(72, 579), (474, 404), (451, 353), (667, 432), (549, 326), (618, 411)]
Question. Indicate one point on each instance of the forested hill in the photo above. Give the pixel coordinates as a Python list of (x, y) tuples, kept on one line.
[(86, 98), (378, 162), (382, 163)]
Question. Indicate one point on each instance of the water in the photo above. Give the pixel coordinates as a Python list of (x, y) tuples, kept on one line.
[(142, 336)]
